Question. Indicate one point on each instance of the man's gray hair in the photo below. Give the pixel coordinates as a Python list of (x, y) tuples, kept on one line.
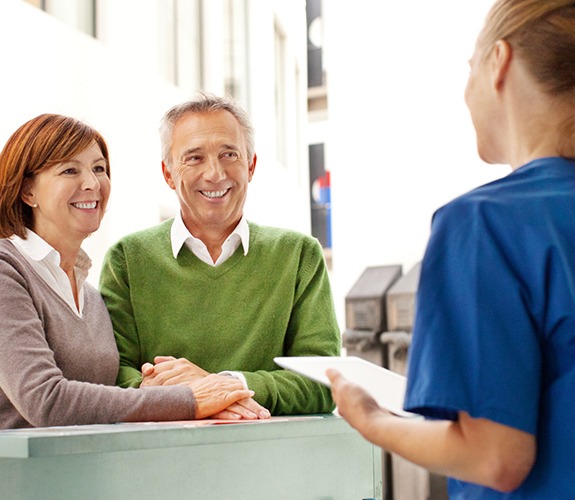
[(204, 103)]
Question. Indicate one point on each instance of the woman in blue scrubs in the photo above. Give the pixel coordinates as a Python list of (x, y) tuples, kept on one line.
[(492, 362)]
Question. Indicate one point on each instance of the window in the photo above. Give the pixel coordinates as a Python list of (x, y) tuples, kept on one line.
[(36, 3), (235, 49), (81, 14), (280, 94), (179, 25)]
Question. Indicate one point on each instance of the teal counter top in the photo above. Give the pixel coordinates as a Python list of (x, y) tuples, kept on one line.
[(294, 458), (56, 441)]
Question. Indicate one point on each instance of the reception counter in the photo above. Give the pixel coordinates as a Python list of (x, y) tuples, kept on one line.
[(294, 458)]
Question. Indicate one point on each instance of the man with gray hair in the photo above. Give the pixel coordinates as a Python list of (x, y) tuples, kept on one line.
[(209, 291)]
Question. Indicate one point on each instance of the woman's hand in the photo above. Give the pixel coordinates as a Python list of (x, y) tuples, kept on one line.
[(216, 393), (244, 409), (476, 450), (168, 370), (353, 403)]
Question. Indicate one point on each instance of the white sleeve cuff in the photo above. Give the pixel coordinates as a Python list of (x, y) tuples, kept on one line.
[(239, 375)]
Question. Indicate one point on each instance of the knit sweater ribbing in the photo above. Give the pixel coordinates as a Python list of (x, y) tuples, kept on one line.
[(58, 368), (275, 301)]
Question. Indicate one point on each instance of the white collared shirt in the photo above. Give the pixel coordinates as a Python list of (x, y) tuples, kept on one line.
[(46, 262), (181, 236)]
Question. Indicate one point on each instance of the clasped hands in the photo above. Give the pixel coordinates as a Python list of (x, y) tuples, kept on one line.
[(217, 396)]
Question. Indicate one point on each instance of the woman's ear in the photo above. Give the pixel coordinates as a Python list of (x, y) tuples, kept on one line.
[(26, 193), (500, 60)]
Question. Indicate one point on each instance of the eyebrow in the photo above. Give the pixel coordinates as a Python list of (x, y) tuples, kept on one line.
[(76, 162)]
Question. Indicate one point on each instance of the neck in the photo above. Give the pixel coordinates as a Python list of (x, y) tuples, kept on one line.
[(533, 139), (67, 263), (537, 125), (66, 246)]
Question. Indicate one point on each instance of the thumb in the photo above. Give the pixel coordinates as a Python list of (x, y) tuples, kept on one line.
[(147, 369), (333, 375)]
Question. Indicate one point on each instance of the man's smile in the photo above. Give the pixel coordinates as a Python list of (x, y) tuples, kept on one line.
[(215, 194)]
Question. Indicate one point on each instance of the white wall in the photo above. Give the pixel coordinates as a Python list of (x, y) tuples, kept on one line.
[(279, 193), (115, 86), (50, 67), (400, 141)]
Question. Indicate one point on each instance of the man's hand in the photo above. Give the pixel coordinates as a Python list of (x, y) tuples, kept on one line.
[(168, 370)]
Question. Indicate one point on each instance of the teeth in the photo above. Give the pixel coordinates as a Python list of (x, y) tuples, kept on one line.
[(214, 194), (91, 204)]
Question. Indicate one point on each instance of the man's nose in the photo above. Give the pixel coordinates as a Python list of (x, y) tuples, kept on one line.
[(215, 171)]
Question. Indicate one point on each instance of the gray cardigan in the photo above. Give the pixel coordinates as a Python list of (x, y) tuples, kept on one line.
[(59, 369)]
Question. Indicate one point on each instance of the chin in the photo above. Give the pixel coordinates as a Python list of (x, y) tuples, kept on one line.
[(485, 156), (89, 231)]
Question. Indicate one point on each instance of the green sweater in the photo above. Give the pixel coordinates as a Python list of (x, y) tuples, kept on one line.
[(274, 301)]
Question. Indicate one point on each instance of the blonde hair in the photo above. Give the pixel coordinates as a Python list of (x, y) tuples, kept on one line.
[(541, 33)]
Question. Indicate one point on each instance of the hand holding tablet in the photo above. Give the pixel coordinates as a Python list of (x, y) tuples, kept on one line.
[(385, 386)]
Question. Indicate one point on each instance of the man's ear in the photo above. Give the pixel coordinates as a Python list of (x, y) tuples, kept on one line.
[(252, 168), (500, 60), (168, 176)]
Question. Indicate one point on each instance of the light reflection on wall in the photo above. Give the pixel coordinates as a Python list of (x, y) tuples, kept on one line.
[(400, 139)]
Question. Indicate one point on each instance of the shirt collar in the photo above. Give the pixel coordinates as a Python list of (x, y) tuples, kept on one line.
[(179, 234), (39, 250)]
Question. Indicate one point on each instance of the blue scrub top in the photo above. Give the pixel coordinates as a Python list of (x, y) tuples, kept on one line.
[(494, 331)]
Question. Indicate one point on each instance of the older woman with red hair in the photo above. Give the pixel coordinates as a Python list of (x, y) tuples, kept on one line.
[(59, 357)]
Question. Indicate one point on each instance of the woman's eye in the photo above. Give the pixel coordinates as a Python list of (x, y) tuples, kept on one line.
[(69, 171), (100, 169)]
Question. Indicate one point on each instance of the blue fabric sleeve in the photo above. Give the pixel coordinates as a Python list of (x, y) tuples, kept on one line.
[(475, 346)]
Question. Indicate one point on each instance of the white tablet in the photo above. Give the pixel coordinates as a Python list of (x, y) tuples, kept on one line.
[(385, 386)]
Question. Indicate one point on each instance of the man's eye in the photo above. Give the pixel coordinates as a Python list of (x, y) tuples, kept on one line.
[(191, 160), (231, 155)]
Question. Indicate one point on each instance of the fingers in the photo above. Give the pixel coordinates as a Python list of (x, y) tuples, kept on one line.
[(163, 359), (147, 369), (171, 371), (226, 415), (236, 411), (215, 393), (249, 409), (148, 378), (241, 411), (336, 379), (253, 407), (334, 376)]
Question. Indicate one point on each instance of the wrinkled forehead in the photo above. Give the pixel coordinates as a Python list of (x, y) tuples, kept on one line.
[(207, 131)]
